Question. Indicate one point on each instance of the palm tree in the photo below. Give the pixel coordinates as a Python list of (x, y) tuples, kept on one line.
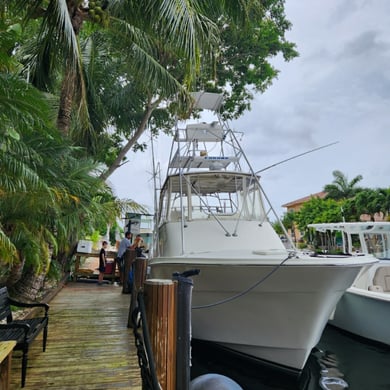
[(21, 108), (57, 44), (341, 188), (153, 39), (372, 202), (49, 193), (43, 220)]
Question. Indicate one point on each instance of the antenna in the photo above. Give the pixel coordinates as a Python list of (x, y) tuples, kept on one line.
[(298, 155)]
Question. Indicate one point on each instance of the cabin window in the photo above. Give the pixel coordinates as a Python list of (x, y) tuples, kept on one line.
[(377, 244), (252, 206), (207, 197), (163, 207)]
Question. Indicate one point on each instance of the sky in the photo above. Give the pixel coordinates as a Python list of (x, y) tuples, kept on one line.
[(336, 91)]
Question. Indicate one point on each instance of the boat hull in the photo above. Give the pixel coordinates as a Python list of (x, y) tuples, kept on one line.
[(364, 309), (366, 315), (278, 318)]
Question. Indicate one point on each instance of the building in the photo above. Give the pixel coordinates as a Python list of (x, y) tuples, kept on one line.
[(295, 206)]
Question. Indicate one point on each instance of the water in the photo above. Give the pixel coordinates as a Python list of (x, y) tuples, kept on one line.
[(340, 361)]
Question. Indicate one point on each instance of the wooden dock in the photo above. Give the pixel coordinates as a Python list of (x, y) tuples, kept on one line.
[(89, 345)]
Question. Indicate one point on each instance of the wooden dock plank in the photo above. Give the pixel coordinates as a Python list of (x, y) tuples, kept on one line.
[(89, 345)]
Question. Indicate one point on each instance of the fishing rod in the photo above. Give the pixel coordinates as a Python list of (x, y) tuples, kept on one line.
[(298, 155)]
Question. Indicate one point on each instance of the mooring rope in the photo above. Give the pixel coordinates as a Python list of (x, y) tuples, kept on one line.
[(247, 290)]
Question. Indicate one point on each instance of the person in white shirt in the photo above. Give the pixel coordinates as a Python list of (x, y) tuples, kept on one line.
[(123, 246)]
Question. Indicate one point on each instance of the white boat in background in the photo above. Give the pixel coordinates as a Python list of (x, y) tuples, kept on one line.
[(252, 295), (365, 307)]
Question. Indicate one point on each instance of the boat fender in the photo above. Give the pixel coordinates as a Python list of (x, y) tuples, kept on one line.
[(214, 382)]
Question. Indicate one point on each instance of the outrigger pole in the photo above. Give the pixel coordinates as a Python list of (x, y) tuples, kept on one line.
[(298, 155)]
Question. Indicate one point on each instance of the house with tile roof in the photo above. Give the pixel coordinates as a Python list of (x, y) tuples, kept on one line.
[(295, 206)]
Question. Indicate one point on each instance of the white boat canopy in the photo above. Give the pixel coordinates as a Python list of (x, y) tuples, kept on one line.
[(373, 237), (353, 227)]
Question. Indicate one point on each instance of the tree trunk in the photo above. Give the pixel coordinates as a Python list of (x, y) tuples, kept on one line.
[(29, 286), (141, 128), (15, 273), (69, 86), (66, 101)]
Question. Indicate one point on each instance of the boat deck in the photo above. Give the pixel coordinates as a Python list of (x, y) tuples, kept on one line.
[(89, 345)]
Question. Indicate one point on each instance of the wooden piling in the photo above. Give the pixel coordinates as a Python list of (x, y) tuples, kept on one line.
[(140, 267), (129, 258), (160, 302)]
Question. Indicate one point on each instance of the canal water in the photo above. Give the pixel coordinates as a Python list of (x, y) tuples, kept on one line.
[(340, 361)]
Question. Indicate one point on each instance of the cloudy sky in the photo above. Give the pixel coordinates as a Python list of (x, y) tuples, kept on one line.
[(337, 90)]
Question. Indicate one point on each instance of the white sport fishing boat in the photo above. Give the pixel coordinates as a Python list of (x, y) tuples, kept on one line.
[(252, 295), (365, 307)]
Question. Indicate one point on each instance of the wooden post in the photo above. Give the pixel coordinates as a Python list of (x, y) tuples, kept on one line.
[(183, 324), (160, 302), (129, 257), (140, 267)]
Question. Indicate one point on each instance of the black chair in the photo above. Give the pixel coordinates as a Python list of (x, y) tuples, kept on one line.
[(22, 331)]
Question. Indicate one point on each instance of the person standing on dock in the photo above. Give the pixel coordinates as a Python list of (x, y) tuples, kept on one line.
[(102, 262), (123, 246), (138, 245)]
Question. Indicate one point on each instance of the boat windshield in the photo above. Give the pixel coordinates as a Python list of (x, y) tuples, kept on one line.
[(220, 194), (378, 244)]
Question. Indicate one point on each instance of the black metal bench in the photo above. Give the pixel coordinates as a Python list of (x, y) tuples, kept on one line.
[(22, 331)]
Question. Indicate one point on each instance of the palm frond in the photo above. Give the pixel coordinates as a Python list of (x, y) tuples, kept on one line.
[(17, 175), (55, 46), (8, 253), (22, 104)]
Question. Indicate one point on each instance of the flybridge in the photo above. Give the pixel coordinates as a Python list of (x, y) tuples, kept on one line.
[(206, 179), (196, 141), (204, 146)]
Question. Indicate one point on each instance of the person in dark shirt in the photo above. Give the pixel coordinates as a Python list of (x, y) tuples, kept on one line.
[(102, 262)]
